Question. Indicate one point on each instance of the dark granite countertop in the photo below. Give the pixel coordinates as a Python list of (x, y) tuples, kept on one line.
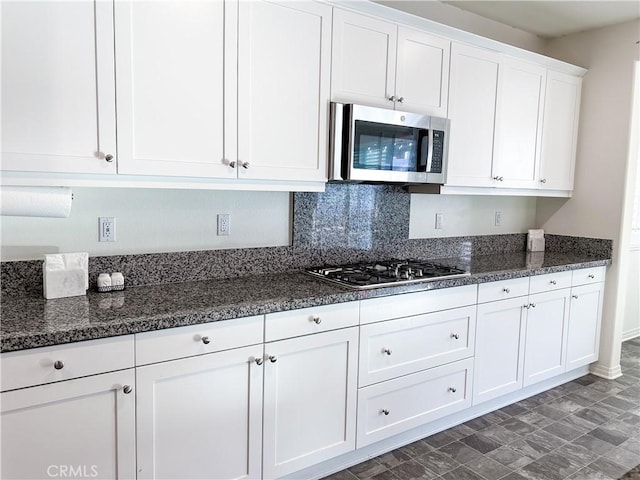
[(30, 321)]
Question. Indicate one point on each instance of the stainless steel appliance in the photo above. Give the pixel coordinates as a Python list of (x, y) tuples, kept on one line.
[(369, 144), (387, 273)]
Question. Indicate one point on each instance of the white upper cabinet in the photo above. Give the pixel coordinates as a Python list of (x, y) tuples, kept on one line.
[(472, 110), (56, 115), (170, 76), (560, 131), (382, 64), (284, 54), (518, 122)]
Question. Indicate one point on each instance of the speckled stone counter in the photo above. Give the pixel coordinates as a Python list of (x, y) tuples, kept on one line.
[(30, 321)]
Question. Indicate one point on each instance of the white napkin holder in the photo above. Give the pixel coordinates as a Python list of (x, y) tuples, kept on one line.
[(535, 241), (65, 275)]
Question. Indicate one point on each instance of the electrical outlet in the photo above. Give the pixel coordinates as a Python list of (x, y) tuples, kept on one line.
[(498, 219), (439, 220), (106, 229), (224, 227)]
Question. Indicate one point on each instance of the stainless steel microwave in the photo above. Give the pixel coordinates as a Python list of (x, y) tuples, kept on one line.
[(369, 144)]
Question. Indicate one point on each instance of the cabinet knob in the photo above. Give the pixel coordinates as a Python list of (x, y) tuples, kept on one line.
[(533, 305), (553, 282), (392, 98), (387, 351), (258, 361), (574, 296), (400, 100), (108, 157), (316, 320), (205, 340), (528, 306), (506, 290), (127, 389), (232, 164), (499, 179), (244, 165), (273, 358), (58, 365), (591, 275), (384, 411), (543, 180), (455, 335), (453, 389)]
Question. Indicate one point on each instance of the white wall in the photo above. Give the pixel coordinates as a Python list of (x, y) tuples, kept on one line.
[(596, 208), (469, 215), (149, 221)]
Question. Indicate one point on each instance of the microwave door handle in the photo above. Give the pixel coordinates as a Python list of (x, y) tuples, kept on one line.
[(429, 151)]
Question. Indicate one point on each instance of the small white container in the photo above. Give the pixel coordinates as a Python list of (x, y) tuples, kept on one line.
[(117, 281), (104, 282)]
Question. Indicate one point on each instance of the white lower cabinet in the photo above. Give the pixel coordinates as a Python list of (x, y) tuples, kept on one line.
[(82, 428), (500, 334), (392, 407), (201, 417), (309, 400), (583, 338), (547, 326)]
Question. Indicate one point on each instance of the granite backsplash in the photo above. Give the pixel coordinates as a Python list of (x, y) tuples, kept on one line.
[(346, 223)]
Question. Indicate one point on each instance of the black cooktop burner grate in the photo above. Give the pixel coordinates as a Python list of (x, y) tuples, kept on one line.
[(379, 274)]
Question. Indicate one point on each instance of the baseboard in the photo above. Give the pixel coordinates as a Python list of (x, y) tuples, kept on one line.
[(629, 334), (610, 373)]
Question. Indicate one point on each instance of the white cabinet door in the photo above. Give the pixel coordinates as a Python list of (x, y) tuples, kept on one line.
[(201, 417), (309, 400), (284, 54), (472, 109), (76, 428), (560, 131), (518, 122), (583, 339), (500, 333), (547, 326), (170, 74), (363, 59), (422, 75), (58, 96)]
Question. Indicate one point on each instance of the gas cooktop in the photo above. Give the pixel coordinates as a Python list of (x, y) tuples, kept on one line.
[(387, 273)]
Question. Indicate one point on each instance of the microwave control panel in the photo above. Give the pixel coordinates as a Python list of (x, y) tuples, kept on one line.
[(438, 151)]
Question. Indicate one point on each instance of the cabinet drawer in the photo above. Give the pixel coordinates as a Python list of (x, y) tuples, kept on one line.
[(492, 291), (584, 276), (172, 343), (305, 321), (392, 407), (549, 282), (407, 345), (37, 366), (408, 304)]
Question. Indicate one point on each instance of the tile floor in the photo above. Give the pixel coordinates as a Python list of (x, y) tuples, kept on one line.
[(585, 429)]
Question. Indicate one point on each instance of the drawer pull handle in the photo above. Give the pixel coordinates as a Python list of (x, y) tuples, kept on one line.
[(273, 358), (316, 320), (455, 335), (574, 296), (384, 411), (500, 179), (553, 282), (591, 275), (258, 361), (127, 389), (206, 340), (58, 365), (453, 389), (387, 351), (506, 290)]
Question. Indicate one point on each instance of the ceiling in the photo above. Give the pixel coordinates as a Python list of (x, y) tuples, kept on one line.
[(545, 18)]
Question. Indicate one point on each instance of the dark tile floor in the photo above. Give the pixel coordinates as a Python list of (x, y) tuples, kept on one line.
[(585, 429)]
